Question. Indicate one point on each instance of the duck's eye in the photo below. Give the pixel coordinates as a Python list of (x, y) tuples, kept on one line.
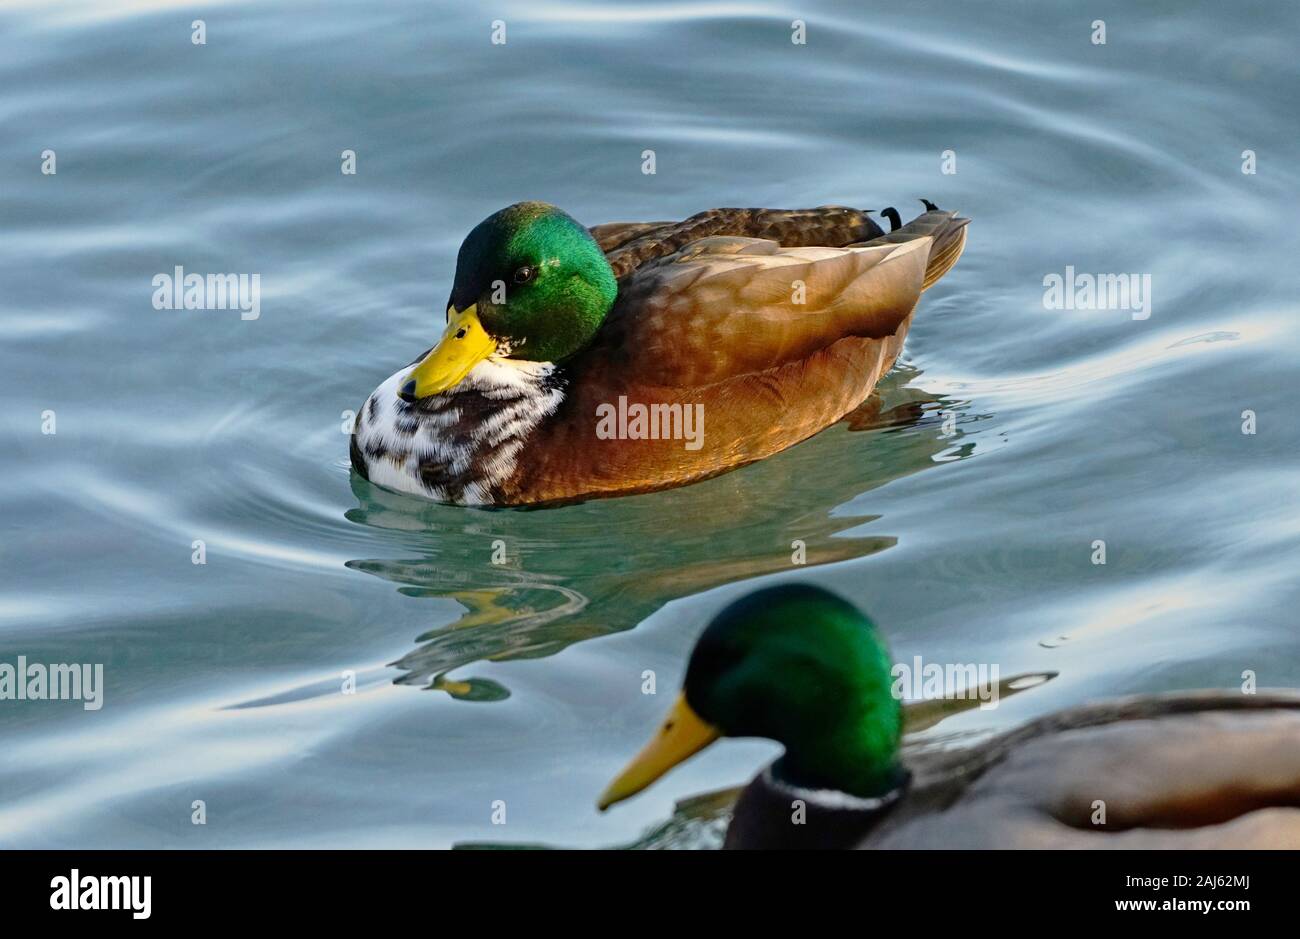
[(524, 274)]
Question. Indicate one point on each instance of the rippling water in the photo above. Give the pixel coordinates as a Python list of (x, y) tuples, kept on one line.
[(521, 682)]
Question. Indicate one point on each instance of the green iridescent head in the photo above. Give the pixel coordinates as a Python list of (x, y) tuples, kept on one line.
[(540, 282), (796, 664), (531, 283)]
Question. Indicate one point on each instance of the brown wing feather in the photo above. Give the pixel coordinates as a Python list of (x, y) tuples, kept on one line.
[(729, 307), (831, 225), (724, 306), (614, 234)]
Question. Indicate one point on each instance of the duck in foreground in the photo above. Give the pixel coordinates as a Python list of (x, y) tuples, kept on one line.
[(801, 666), (578, 363)]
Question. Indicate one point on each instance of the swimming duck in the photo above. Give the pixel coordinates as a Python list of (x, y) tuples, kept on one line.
[(580, 363), (804, 667)]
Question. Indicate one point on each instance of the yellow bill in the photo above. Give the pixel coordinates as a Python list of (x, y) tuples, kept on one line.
[(682, 734), (464, 344)]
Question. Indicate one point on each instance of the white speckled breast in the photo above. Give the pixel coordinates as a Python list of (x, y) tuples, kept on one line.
[(458, 446)]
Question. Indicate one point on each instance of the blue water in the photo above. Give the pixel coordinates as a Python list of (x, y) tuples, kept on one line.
[(522, 682)]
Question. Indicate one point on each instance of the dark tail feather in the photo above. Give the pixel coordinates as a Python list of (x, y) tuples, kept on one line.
[(948, 229)]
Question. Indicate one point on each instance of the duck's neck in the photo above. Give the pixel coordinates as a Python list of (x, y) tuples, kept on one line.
[(827, 818), (859, 760)]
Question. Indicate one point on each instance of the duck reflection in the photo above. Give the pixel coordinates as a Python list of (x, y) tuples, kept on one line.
[(533, 582)]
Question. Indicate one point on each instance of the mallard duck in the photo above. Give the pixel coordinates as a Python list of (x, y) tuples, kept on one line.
[(804, 667), (579, 363)]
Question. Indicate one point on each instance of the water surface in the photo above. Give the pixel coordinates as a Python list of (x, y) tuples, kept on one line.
[(521, 682)]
